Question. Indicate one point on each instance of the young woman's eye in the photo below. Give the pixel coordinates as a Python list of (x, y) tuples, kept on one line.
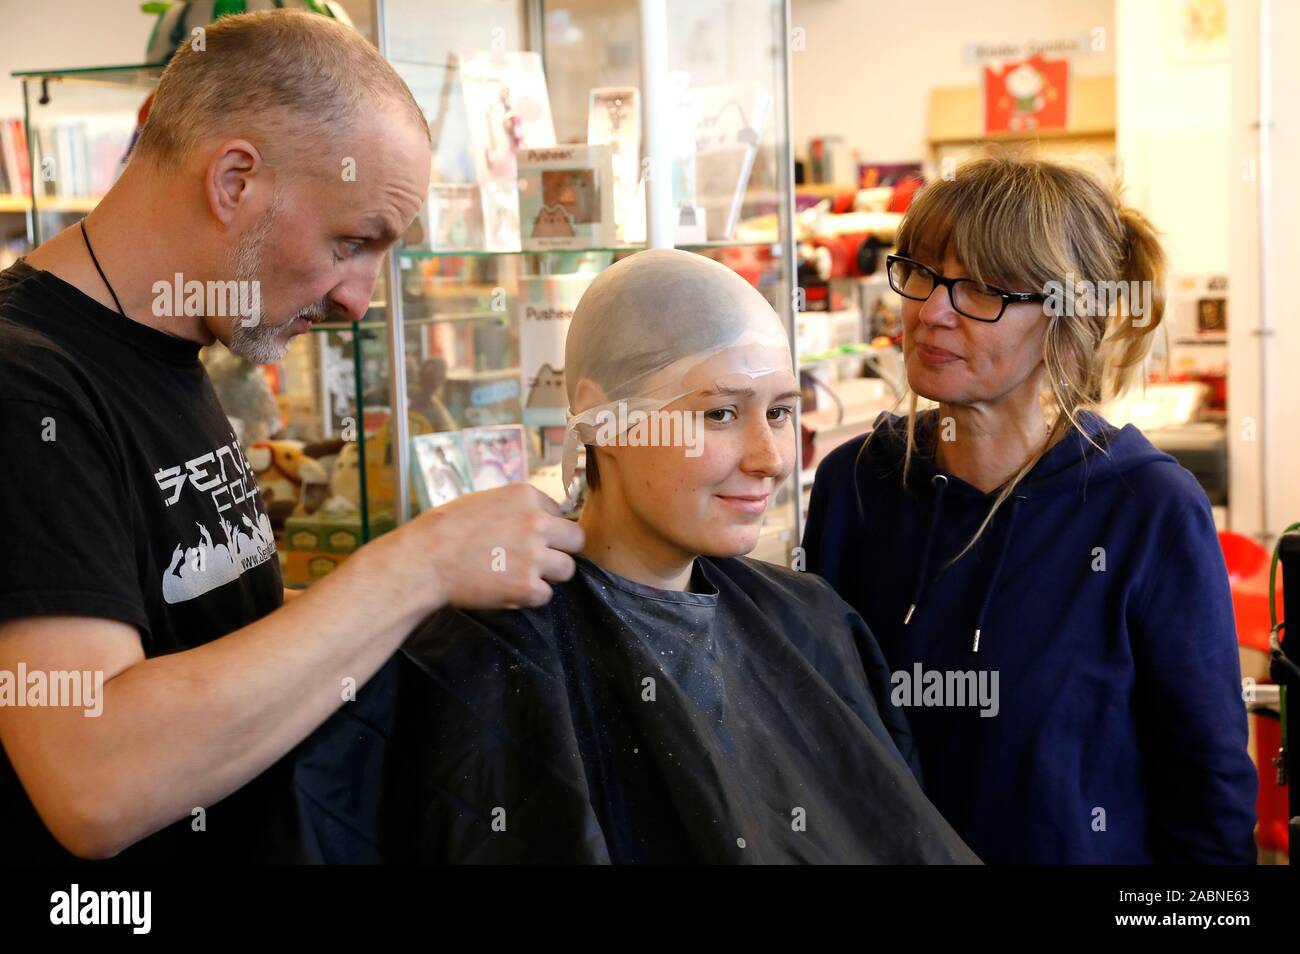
[(779, 414), (719, 415)]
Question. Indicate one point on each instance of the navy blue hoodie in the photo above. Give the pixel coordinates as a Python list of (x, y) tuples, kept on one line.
[(1101, 600)]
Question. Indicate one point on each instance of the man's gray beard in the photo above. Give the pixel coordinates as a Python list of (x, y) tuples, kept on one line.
[(252, 338)]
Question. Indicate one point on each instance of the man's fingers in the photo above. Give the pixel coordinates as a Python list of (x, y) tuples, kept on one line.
[(561, 534), (538, 595), (545, 502), (557, 567)]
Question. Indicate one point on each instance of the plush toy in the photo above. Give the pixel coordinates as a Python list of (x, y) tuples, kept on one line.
[(345, 481), (244, 393), (288, 479)]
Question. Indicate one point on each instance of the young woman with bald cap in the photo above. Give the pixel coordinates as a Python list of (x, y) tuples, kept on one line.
[(674, 701)]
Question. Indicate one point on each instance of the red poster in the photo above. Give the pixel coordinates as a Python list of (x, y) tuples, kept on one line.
[(1026, 95)]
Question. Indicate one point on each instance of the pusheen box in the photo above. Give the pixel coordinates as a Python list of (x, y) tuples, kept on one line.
[(566, 197)]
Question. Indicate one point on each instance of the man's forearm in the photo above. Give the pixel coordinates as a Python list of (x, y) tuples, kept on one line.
[(183, 731)]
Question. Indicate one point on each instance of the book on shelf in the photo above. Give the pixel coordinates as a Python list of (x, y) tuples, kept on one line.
[(16, 175), (74, 157)]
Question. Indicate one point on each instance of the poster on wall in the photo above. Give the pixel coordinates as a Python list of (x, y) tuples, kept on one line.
[(1026, 95)]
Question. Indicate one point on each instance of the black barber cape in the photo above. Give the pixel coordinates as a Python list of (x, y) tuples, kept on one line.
[(744, 721)]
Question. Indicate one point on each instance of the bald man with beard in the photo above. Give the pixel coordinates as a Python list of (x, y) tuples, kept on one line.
[(138, 552)]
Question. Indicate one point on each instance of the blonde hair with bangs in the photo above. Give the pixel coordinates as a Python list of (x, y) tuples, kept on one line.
[(1018, 222)]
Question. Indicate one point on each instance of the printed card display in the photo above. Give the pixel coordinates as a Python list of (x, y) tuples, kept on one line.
[(545, 307), (614, 119), (452, 219), (496, 455), (729, 121), (440, 468), (508, 109)]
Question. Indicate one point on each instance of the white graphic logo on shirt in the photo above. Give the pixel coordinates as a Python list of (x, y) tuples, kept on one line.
[(195, 570), (205, 564)]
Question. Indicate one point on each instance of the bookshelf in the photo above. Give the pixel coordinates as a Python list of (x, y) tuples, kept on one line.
[(77, 126)]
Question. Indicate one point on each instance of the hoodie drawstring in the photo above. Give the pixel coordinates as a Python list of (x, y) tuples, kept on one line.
[(940, 483), (997, 569)]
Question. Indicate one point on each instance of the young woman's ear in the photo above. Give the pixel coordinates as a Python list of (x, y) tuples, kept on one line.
[(587, 394)]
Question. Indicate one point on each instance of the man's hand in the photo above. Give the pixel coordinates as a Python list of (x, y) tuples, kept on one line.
[(493, 549)]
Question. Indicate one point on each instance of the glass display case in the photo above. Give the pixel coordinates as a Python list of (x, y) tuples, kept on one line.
[(712, 109), (451, 381)]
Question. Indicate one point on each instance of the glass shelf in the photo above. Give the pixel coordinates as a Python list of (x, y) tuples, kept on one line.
[(142, 75), (420, 252)]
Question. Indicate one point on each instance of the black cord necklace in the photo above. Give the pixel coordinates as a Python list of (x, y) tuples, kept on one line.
[(100, 270)]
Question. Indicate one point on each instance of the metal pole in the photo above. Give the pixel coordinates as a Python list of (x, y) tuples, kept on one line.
[(1263, 197), (657, 104), (785, 235), (398, 422)]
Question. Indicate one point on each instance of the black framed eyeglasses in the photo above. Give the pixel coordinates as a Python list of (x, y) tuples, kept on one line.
[(975, 300)]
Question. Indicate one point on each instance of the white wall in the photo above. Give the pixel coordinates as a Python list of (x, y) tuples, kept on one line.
[(869, 65), (1172, 139), (65, 33), (57, 34), (1263, 384)]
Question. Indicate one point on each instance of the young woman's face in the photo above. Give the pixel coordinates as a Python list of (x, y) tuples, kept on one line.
[(712, 502), (956, 360)]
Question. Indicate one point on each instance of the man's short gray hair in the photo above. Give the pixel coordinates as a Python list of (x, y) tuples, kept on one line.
[(278, 76)]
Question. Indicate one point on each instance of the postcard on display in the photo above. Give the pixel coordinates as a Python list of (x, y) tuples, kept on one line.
[(614, 119), (496, 455), (508, 109), (440, 468)]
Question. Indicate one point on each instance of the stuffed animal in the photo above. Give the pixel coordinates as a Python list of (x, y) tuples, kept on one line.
[(244, 393), (345, 481), (287, 478)]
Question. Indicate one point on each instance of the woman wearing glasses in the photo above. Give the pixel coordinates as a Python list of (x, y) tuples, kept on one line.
[(1047, 589)]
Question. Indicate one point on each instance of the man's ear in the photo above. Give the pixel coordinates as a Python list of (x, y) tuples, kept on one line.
[(235, 171)]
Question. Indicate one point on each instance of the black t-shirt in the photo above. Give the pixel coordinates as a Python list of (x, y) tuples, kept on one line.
[(124, 495)]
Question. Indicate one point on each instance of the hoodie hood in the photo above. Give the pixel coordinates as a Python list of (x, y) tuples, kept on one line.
[(1071, 466), (1076, 463)]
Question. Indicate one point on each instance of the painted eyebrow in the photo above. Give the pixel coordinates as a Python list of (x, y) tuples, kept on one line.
[(724, 391)]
